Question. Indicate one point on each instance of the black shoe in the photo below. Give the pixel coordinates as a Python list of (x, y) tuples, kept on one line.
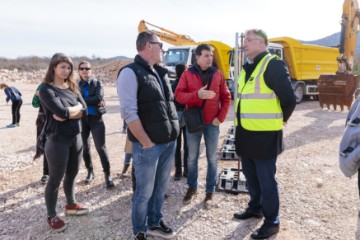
[(177, 177), (139, 236), (162, 231), (90, 176), (248, 214), (189, 195), (108, 181), (185, 173), (126, 167), (44, 178), (265, 231)]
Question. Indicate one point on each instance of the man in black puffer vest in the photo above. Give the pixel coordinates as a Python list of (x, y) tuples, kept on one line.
[(146, 105)]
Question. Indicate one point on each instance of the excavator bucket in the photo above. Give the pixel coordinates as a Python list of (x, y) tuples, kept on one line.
[(337, 90)]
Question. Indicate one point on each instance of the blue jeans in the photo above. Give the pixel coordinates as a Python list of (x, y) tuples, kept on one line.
[(152, 172), (263, 189), (211, 136), (127, 158)]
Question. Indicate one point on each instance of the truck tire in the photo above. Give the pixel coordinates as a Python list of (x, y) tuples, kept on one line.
[(299, 93)]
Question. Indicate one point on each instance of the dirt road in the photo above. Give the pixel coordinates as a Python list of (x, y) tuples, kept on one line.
[(317, 201)]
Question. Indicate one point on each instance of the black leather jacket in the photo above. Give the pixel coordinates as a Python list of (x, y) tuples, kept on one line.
[(96, 91)]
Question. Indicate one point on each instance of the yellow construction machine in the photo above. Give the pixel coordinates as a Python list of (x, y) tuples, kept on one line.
[(338, 89), (184, 51)]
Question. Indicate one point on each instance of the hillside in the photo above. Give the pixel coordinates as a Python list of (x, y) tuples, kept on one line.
[(333, 40)]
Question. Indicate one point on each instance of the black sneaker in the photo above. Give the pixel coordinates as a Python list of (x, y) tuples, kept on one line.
[(248, 214), (162, 231), (139, 236), (177, 177), (265, 231), (44, 179)]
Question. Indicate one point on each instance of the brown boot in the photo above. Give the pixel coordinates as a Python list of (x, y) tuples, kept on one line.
[(189, 195)]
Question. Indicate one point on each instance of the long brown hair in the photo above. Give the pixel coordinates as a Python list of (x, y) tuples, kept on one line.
[(50, 74)]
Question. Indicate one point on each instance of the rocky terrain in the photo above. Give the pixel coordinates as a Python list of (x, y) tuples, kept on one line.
[(317, 201)]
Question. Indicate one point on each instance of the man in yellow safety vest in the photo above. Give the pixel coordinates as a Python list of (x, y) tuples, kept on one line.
[(264, 104)]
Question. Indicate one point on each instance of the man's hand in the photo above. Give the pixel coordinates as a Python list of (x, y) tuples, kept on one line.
[(205, 94), (215, 122), (102, 103)]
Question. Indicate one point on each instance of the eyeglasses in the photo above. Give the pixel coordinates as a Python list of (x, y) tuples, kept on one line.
[(248, 40), (158, 43), (84, 68)]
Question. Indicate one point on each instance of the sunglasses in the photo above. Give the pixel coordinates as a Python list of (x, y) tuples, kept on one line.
[(158, 43), (84, 68)]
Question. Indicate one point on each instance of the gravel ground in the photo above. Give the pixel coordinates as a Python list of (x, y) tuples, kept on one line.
[(317, 200)]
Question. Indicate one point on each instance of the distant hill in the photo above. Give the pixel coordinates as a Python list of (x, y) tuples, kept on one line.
[(333, 41), (120, 58)]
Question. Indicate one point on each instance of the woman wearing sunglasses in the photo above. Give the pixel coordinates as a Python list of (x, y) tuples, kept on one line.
[(92, 90)]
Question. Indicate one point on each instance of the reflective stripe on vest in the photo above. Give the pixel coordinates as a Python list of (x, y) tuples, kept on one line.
[(260, 108)]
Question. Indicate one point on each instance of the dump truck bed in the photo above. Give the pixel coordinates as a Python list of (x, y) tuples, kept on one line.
[(306, 61)]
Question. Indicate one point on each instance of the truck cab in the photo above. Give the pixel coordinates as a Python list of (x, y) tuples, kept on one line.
[(186, 55)]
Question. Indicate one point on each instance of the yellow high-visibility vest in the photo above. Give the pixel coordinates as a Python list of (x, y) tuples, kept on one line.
[(259, 106)]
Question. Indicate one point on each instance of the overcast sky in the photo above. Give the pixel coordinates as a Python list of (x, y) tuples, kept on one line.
[(108, 28)]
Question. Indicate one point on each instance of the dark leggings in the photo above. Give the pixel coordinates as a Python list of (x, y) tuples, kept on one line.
[(15, 111), (64, 155), (95, 125), (40, 121)]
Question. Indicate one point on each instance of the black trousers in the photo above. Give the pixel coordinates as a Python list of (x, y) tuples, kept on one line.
[(95, 125), (178, 164), (64, 155), (40, 121), (15, 111)]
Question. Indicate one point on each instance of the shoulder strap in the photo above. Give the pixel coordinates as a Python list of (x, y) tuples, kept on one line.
[(207, 88)]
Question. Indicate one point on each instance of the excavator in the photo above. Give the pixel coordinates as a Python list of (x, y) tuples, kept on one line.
[(184, 51), (166, 35), (339, 89)]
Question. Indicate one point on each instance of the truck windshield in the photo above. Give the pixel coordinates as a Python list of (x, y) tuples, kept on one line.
[(172, 57)]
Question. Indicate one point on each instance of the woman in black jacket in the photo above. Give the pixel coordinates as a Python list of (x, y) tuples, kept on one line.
[(63, 107), (92, 91)]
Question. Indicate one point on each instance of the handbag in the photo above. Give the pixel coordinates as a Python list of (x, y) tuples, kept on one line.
[(194, 118), (101, 110)]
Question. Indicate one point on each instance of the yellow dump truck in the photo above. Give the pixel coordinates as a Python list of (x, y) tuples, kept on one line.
[(306, 63)]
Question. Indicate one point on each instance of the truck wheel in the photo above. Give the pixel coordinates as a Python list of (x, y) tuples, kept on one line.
[(299, 93)]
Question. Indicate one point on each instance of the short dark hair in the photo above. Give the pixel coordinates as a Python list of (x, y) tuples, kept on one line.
[(143, 38), (179, 69), (202, 47)]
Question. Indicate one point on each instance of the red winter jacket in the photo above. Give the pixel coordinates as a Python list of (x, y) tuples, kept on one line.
[(190, 83)]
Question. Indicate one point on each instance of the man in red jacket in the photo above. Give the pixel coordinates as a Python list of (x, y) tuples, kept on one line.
[(192, 90)]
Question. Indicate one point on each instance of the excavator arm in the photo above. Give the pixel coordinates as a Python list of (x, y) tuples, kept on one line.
[(348, 37), (166, 35), (338, 89)]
